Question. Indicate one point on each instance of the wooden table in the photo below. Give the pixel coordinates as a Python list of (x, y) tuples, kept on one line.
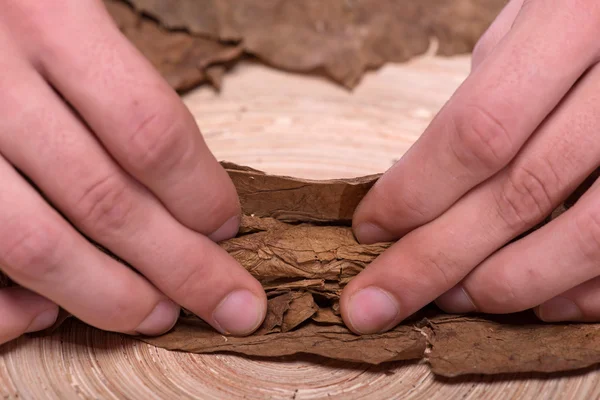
[(293, 125)]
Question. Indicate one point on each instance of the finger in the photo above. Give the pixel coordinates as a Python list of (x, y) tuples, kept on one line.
[(433, 258), (38, 248), (486, 122), (547, 170), (138, 118), (582, 303), (24, 311), (496, 32), (550, 261), (108, 206), (40, 251)]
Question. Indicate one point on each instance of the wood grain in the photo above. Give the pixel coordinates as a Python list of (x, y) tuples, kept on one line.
[(292, 125)]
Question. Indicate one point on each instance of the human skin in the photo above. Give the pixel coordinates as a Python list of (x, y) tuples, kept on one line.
[(515, 139), (86, 118), (112, 147)]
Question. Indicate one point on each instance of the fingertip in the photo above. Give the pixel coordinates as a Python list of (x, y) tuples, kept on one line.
[(24, 311), (369, 233), (377, 217), (160, 320), (456, 301), (228, 230), (559, 309), (43, 320), (370, 310), (240, 313)]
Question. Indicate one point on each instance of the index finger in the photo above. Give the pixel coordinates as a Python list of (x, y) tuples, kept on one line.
[(487, 120), (134, 113)]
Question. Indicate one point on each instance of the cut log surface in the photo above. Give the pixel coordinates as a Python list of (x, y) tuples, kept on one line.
[(301, 126)]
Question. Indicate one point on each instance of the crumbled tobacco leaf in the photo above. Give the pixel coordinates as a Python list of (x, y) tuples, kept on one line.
[(287, 311), (341, 38), (283, 286), (301, 308), (182, 59), (508, 344), (327, 316), (302, 252)]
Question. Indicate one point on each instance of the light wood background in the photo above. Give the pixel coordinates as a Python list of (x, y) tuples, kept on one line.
[(294, 125)]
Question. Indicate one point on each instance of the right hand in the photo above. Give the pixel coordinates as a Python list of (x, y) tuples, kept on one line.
[(111, 145)]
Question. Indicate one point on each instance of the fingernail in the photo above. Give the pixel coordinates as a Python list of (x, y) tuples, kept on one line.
[(161, 319), (240, 313), (369, 233), (559, 309), (228, 230), (456, 301), (43, 321), (372, 310)]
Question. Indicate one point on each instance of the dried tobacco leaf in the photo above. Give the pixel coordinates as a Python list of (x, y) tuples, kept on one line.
[(327, 316), (182, 59), (301, 308), (298, 200), (342, 38), (508, 344), (302, 252), (275, 288), (333, 341), (287, 311)]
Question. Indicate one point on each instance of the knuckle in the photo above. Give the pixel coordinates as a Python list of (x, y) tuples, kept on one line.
[(188, 280), (158, 139), (104, 206), (439, 269), (33, 16), (587, 237), (186, 283), (404, 205), (123, 315), (526, 196), (32, 250), (481, 140), (500, 296), (414, 204)]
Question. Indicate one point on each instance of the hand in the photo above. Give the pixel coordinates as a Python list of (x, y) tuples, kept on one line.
[(517, 137), (89, 121)]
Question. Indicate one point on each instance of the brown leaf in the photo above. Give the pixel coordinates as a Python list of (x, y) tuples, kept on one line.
[(327, 316), (298, 200), (284, 285), (510, 343), (252, 224), (301, 308), (402, 343), (343, 38), (302, 251), (276, 310), (182, 59)]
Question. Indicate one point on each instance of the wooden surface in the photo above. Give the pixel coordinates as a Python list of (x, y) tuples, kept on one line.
[(294, 125)]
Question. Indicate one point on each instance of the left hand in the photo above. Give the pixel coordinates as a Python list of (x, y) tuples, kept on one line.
[(512, 143)]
